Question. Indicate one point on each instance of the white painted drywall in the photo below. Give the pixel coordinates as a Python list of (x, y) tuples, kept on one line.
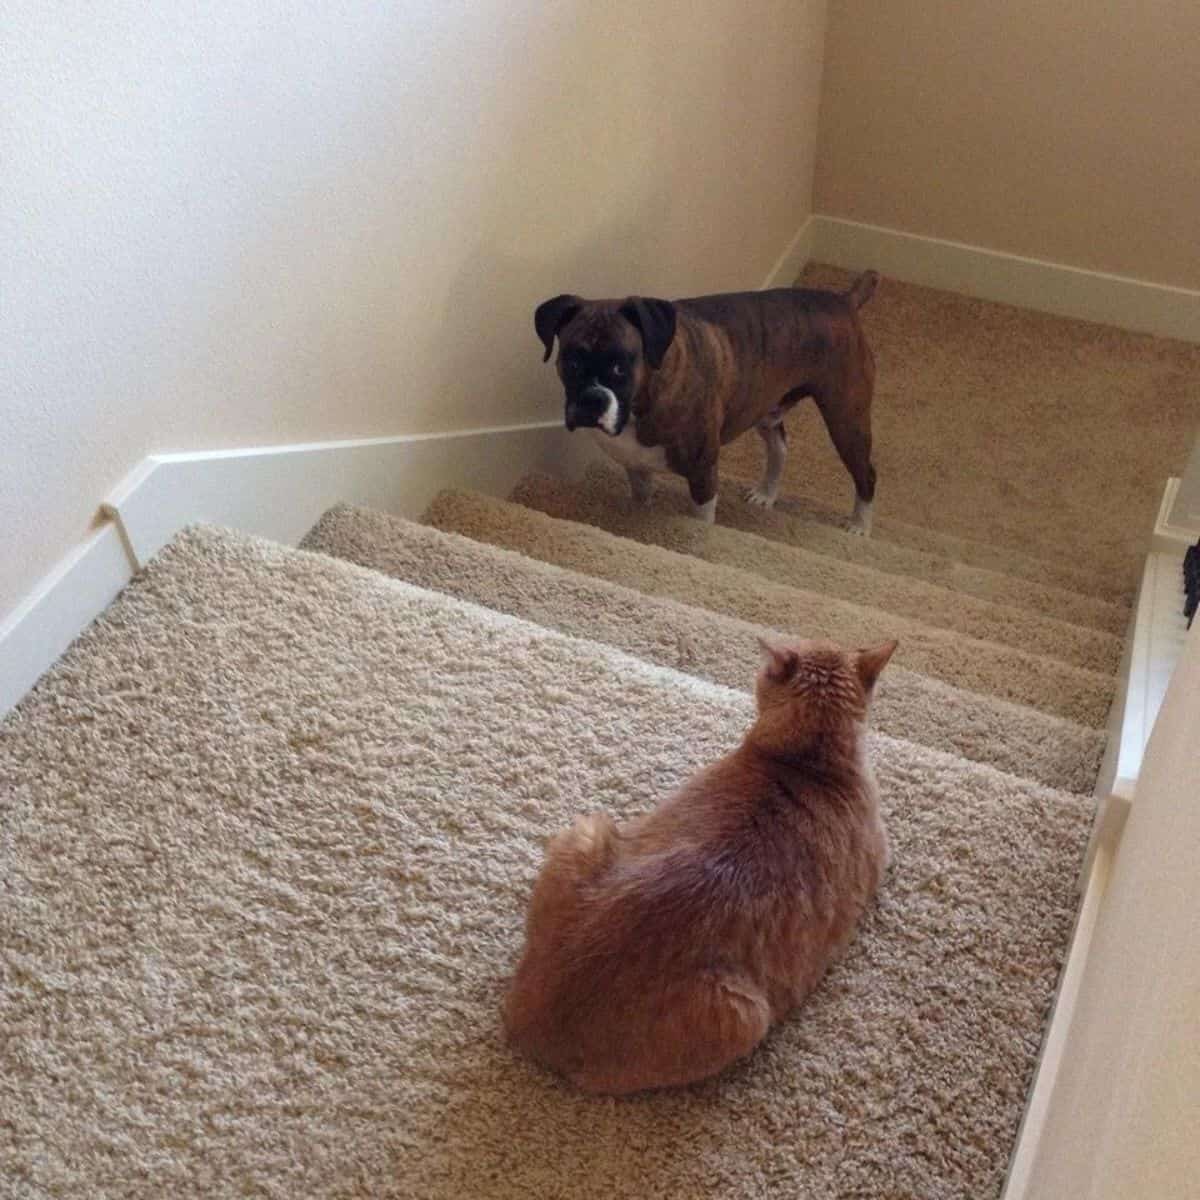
[(1122, 1120), (1064, 131), (230, 224)]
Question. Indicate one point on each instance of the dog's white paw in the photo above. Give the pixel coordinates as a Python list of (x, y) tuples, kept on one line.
[(759, 498), (860, 523), (851, 526)]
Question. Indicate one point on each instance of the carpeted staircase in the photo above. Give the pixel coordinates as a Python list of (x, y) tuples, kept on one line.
[(268, 829)]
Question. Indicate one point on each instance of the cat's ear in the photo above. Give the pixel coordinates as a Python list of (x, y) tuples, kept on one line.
[(869, 663), (780, 662)]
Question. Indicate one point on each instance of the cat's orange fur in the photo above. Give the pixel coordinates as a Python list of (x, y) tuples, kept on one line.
[(659, 952)]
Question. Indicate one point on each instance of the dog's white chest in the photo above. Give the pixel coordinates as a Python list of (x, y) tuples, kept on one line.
[(629, 452)]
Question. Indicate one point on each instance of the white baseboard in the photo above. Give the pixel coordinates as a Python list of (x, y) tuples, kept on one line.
[(1041, 1092), (279, 491), (273, 491), (1009, 278), (1174, 531), (1154, 647), (59, 608), (792, 261)]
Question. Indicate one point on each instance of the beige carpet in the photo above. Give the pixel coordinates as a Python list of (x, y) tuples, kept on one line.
[(1010, 737), (606, 505), (1008, 426), (265, 838), (606, 485), (1076, 693)]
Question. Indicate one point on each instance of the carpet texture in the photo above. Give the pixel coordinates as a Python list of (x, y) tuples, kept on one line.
[(1007, 426), (1014, 738), (605, 485), (266, 834), (1006, 624), (1080, 695)]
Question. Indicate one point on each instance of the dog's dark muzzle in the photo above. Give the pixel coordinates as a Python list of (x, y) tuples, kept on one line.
[(592, 407)]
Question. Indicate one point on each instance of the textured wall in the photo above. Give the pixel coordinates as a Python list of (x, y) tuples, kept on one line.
[(1066, 131), (231, 224)]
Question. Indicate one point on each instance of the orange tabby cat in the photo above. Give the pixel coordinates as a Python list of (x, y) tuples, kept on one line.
[(660, 952)]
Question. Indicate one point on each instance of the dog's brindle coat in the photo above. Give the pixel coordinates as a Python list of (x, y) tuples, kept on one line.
[(687, 377)]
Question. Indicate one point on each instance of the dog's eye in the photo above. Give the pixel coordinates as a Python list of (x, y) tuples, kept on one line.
[(616, 371)]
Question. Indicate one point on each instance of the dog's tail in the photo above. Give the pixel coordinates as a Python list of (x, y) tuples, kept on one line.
[(863, 288)]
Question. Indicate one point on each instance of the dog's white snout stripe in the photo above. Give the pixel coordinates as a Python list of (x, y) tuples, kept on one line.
[(612, 411)]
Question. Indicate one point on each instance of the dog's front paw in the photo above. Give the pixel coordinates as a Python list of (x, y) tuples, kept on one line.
[(759, 498)]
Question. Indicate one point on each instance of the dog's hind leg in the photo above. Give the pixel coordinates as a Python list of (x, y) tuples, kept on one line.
[(853, 445), (848, 418), (774, 436)]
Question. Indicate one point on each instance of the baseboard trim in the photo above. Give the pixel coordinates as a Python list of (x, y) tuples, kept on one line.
[(279, 492), (272, 491), (1154, 646), (794, 258), (1173, 530), (1009, 278), (1041, 1092), (63, 604)]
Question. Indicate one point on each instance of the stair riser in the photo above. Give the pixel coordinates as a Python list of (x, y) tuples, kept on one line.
[(1021, 741), (971, 553), (603, 485), (1081, 696), (794, 567)]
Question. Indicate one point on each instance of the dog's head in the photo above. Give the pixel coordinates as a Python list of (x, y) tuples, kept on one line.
[(606, 348)]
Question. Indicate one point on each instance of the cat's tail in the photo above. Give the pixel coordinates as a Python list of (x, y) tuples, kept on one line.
[(589, 845)]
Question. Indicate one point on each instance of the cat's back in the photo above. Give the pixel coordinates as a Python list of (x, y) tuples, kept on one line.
[(755, 844), (760, 866), (770, 822)]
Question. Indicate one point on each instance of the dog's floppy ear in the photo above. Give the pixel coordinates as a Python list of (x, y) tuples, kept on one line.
[(551, 315), (656, 321)]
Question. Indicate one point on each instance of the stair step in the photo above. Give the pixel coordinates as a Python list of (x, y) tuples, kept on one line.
[(1068, 575), (268, 783), (1010, 737), (1078, 694), (604, 487), (795, 566)]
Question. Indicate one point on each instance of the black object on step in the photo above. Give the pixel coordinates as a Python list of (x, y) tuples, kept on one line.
[(1191, 582)]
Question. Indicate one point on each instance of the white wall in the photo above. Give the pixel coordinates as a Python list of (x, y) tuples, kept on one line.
[(1065, 131), (233, 224), (1122, 1121)]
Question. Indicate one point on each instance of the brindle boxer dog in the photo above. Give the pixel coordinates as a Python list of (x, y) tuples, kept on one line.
[(666, 384)]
